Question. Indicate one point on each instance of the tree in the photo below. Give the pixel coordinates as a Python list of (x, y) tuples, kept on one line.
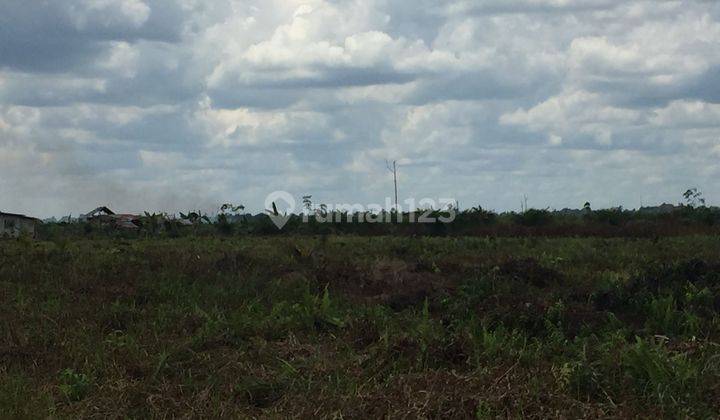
[(152, 222), (693, 197), (229, 213), (307, 203), (195, 217)]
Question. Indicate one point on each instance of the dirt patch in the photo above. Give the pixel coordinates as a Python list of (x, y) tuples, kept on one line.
[(363, 333), (579, 316), (526, 313), (395, 283), (233, 262), (530, 271)]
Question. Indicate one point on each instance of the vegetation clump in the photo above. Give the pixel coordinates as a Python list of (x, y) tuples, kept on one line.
[(356, 326)]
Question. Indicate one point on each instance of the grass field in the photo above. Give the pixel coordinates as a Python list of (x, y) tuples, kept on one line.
[(362, 327)]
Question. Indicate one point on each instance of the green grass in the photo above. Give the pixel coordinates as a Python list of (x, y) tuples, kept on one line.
[(345, 326)]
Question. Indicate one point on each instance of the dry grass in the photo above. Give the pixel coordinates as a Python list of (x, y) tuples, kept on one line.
[(352, 327)]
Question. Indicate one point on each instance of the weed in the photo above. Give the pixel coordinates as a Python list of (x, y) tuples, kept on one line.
[(351, 326), (74, 386)]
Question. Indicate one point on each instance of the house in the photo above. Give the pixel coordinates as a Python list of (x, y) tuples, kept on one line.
[(13, 225), (106, 217), (95, 214)]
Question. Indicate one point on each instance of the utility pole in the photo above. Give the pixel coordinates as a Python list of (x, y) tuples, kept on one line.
[(393, 169)]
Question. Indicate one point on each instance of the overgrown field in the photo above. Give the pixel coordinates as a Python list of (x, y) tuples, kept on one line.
[(360, 327)]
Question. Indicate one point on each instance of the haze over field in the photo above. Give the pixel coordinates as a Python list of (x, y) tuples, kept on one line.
[(167, 105)]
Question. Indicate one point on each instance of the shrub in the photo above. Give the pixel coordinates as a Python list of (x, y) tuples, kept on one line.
[(533, 218), (73, 385)]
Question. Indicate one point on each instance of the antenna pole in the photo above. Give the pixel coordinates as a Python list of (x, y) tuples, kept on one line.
[(395, 180), (393, 169)]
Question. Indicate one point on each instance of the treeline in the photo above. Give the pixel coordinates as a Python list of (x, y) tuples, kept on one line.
[(618, 222)]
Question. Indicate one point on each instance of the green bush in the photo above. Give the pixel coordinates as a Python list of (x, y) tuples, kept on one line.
[(74, 386)]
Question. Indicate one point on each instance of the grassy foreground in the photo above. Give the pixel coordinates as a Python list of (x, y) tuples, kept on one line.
[(346, 326)]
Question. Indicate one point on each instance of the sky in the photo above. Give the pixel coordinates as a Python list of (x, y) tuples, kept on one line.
[(171, 105)]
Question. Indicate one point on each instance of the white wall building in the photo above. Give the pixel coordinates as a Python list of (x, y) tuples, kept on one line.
[(13, 225)]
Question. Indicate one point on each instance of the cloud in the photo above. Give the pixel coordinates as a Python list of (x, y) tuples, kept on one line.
[(49, 36), (531, 6), (169, 105)]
